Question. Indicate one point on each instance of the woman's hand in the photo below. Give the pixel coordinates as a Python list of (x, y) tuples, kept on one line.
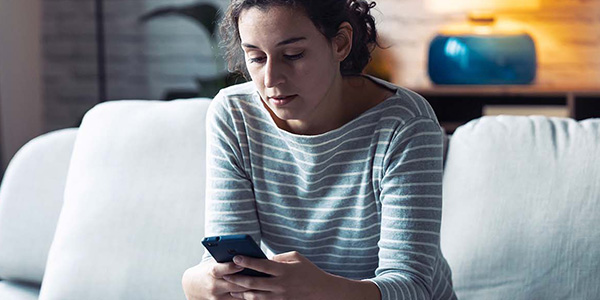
[(205, 281), (295, 277)]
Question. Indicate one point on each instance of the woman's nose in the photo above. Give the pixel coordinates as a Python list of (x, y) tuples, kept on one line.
[(274, 74)]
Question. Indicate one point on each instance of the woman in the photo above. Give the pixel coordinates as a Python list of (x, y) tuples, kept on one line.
[(337, 173)]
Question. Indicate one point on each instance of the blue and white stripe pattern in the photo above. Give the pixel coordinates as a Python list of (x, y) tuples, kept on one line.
[(362, 201)]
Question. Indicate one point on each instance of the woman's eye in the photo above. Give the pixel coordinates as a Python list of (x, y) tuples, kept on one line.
[(294, 56), (256, 59)]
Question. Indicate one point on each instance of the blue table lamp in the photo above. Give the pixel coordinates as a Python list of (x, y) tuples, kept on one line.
[(482, 51)]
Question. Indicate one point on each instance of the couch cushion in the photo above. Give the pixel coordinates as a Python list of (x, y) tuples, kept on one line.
[(521, 208), (31, 197), (132, 220)]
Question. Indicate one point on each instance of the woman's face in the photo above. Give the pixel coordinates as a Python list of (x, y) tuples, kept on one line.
[(293, 65)]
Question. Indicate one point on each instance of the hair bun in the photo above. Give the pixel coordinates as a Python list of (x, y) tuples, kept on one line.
[(360, 7)]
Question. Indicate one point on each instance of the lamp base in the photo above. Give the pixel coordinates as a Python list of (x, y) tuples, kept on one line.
[(482, 59)]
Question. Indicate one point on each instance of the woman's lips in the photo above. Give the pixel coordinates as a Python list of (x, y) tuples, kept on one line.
[(281, 100)]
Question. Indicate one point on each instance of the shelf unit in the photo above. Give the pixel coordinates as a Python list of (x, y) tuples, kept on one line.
[(457, 105)]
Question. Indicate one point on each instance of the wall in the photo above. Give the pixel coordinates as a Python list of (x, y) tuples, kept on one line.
[(144, 60), (21, 105), (566, 32)]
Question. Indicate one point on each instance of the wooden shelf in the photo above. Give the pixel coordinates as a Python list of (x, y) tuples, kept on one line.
[(456, 105), (507, 90)]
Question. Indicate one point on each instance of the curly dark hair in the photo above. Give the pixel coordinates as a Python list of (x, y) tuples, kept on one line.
[(326, 15)]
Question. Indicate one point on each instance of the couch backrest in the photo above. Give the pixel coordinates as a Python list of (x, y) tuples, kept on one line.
[(521, 208), (132, 220), (31, 197)]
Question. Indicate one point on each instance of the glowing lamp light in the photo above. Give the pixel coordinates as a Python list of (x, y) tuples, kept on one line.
[(445, 6)]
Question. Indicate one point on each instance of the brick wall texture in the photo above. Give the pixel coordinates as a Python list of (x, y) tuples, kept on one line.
[(145, 60)]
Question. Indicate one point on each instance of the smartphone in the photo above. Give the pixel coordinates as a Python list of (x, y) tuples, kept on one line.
[(223, 248)]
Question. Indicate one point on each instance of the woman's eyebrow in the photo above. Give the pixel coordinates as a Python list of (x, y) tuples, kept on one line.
[(285, 42)]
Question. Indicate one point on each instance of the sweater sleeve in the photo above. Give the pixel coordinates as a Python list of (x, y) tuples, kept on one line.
[(411, 200), (230, 203)]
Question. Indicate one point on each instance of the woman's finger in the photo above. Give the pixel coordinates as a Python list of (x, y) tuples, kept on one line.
[(258, 264), (264, 284), (291, 256), (222, 287), (251, 295), (219, 270)]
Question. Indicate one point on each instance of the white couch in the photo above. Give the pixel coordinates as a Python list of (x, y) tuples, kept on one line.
[(114, 209)]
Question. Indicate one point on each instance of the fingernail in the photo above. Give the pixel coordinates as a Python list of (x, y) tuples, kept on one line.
[(236, 295), (237, 259), (227, 277), (238, 267)]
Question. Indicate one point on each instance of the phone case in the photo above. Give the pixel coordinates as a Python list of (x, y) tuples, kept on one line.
[(224, 248)]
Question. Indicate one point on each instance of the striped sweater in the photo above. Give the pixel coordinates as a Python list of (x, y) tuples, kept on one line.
[(362, 201)]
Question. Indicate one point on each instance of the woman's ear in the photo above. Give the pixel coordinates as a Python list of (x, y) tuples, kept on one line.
[(342, 41)]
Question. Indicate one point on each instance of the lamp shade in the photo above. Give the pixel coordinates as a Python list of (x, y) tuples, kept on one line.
[(482, 52), (445, 6), (482, 59)]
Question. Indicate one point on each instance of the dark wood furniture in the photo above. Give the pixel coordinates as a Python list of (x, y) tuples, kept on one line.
[(456, 105)]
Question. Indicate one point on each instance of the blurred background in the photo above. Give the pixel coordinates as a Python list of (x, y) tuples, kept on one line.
[(59, 58)]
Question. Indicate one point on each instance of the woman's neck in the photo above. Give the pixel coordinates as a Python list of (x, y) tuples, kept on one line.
[(348, 98), (325, 117)]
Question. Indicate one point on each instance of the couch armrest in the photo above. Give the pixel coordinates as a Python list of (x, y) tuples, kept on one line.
[(31, 198)]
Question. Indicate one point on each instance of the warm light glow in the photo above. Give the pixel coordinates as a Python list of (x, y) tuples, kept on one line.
[(443, 6), (500, 27)]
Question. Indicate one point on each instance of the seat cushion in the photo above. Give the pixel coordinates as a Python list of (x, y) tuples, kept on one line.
[(18, 291), (31, 198), (521, 208), (133, 216)]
